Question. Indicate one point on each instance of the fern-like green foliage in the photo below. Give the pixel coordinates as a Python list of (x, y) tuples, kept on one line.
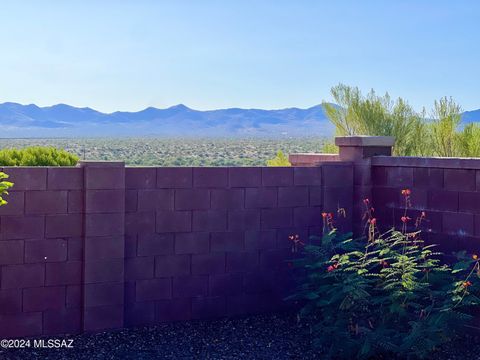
[(416, 134), (279, 160), (37, 156), (389, 294), (4, 186)]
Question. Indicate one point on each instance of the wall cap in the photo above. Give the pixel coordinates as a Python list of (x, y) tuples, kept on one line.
[(38, 167), (427, 162), (363, 140), (99, 163), (312, 154)]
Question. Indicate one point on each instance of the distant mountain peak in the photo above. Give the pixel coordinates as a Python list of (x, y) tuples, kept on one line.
[(179, 107)]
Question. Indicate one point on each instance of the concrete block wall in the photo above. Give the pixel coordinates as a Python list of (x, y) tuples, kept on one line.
[(41, 252), (212, 242), (101, 246), (104, 245), (448, 190)]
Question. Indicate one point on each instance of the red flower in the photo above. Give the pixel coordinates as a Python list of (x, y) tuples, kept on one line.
[(405, 219), (324, 215), (330, 215), (467, 284), (372, 221), (406, 192), (330, 268)]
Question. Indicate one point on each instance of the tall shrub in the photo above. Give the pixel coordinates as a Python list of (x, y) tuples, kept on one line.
[(37, 156)]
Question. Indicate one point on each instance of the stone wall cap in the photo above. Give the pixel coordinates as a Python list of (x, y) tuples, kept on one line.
[(37, 167), (427, 162), (363, 140), (313, 154), (100, 163)]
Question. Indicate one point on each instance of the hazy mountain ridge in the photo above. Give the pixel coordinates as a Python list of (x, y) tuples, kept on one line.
[(19, 120)]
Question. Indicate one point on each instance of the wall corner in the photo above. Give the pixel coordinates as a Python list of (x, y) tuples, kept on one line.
[(359, 150)]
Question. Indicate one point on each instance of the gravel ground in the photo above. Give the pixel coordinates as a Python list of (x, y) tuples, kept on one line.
[(255, 337)]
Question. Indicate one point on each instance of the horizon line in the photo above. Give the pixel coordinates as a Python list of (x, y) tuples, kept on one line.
[(158, 108)]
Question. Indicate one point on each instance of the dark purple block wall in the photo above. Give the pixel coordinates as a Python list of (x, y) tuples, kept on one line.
[(447, 190), (101, 246), (212, 242), (41, 252)]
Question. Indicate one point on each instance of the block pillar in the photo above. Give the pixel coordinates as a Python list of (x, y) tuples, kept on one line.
[(359, 150), (104, 245)]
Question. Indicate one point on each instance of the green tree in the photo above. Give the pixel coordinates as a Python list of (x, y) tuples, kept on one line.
[(446, 139), (469, 141), (279, 160), (329, 148), (357, 114), (415, 135)]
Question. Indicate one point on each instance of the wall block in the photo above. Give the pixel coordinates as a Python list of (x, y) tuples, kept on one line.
[(104, 244)]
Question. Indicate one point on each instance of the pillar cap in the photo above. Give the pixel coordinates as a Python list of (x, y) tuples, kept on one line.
[(363, 140)]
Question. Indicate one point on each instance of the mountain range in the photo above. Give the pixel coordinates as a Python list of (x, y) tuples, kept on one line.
[(17, 120)]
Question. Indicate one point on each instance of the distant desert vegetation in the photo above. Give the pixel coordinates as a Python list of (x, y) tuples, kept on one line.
[(177, 151)]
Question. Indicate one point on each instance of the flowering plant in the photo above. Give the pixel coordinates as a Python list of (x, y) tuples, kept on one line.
[(386, 293)]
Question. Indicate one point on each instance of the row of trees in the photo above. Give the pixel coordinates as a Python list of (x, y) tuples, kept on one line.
[(437, 133)]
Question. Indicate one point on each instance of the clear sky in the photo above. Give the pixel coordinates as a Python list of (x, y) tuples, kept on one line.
[(127, 55)]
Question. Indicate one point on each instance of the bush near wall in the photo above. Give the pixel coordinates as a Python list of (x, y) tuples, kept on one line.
[(4, 186), (37, 156), (279, 160), (386, 294)]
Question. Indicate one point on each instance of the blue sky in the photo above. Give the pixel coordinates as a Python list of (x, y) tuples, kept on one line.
[(127, 55)]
